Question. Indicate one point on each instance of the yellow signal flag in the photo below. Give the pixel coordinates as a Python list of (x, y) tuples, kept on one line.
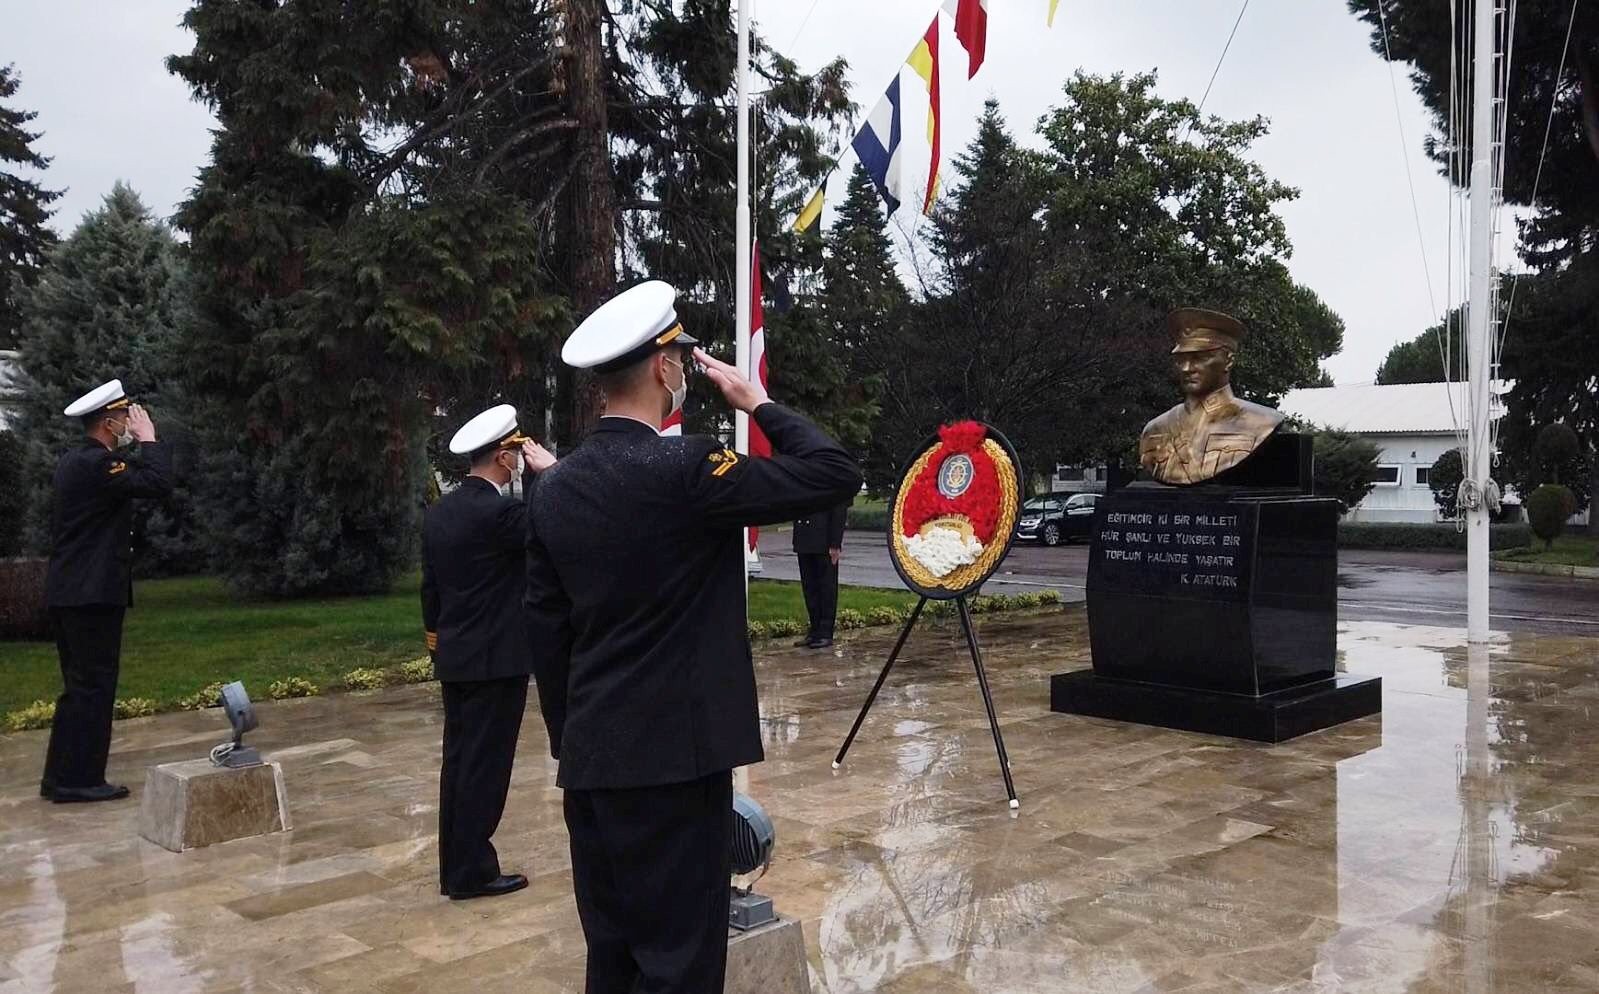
[(812, 211), (1053, 5)]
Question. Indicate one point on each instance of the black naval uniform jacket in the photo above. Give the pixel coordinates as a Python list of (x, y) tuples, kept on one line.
[(635, 594), (472, 579), (822, 532), (91, 556)]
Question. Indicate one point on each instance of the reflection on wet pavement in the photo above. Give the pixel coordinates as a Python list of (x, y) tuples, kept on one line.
[(1438, 848)]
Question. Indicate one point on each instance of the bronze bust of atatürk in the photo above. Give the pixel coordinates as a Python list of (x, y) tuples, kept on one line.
[(1211, 430)]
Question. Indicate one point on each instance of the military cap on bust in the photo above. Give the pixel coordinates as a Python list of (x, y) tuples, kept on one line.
[(1194, 329), (495, 428), (107, 396), (626, 329)]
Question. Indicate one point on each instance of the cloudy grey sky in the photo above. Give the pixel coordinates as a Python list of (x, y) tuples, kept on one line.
[(93, 70)]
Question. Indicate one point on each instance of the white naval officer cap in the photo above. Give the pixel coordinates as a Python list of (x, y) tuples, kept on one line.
[(495, 428), (626, 329), (108, 396)]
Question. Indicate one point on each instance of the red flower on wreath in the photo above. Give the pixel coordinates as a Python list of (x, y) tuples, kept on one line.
[(978, 502)]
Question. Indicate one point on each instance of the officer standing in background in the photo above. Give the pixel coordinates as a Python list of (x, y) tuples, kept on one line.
[(472, 582), (819, 545), (89, 582), (635, 596)]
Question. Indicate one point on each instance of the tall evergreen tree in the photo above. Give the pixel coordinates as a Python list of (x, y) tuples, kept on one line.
[(367, 242), (397, 221), (1044, 313), (110, 303), (24, 209), (1433, 356)]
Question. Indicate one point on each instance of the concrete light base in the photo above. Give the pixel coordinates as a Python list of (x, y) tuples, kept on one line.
[(193, 804), (768, 960)]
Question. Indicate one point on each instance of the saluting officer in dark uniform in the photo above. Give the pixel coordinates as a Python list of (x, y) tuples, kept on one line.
[(472, 582), (636, 605), (819, 546), (89, 584)]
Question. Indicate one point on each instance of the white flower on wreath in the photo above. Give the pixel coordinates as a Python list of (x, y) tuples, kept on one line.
[(943, 550)]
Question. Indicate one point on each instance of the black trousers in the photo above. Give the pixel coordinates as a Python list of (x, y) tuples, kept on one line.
[(651, 869), (819, 580), (89, 642), (482, 719)]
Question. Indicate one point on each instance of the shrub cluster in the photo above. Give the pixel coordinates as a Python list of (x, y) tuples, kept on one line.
[(134, 707), (1548, 507), (209, 696), (415, 671), (39, 714), (294, 686), (365, 678)]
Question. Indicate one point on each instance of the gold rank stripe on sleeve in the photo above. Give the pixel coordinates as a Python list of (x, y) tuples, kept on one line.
[(432, 639), (117, 467), (724, 461)]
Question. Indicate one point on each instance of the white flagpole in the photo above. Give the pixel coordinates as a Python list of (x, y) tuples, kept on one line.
[(1480, 323), (741, 250)]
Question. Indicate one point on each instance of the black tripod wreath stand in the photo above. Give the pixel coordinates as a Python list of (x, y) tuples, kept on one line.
[(963, 609)]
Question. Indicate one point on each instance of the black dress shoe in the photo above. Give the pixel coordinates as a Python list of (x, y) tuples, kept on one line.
[(804, 643), (46, 788), (85, 795), (505, 883), (819, 644)]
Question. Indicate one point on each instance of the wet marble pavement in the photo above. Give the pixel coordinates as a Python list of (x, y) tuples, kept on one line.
[(1447, 846)]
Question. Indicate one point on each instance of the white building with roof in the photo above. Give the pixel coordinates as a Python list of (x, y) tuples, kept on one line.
[(1412, 424)]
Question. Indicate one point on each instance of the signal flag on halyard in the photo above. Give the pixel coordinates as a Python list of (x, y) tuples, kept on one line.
[(971, 27), (1053, 6), (877, 146), (924, 59), (812, 211), (760, 445)]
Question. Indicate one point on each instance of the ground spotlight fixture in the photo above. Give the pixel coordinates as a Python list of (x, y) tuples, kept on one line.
[(241, 715), (753, 839)]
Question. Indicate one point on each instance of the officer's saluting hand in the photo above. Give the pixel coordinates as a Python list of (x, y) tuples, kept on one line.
[(636, 614)]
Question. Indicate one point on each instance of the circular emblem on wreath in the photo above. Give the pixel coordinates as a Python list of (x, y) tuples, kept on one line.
[(955, 476), (955, 512)]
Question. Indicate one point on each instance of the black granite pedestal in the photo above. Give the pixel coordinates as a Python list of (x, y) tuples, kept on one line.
[(1215, 610)]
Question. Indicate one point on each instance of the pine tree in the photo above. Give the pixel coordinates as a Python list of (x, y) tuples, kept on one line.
[(864, 304), (110, 303), (24, 209)]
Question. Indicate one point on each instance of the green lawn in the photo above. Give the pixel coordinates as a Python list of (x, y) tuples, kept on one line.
[(185, 633), (1568, 550)]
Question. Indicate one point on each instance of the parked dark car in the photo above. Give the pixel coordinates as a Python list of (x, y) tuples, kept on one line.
[(1057, 518)]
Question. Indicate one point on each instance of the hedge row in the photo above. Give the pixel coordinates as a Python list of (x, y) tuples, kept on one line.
[(867, 519), (1405, 535), (850, 619), (39, 714)]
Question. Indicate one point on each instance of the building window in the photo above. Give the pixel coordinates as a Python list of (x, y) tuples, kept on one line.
[(1423, 475), (1387, 476)]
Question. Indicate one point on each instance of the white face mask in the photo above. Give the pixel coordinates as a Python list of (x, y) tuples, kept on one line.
[(680, 392), (125, 436)]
